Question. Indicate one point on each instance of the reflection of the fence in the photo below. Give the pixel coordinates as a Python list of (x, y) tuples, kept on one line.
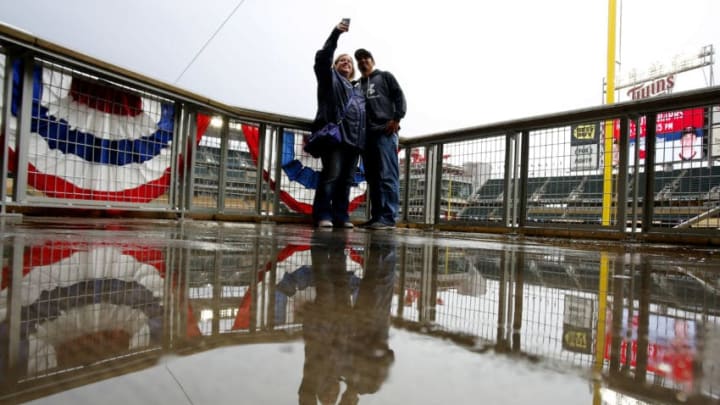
[(545, 305), (70, 309), (542, 304)]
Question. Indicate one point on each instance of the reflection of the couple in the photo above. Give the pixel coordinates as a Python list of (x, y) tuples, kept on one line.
[(346, 326)]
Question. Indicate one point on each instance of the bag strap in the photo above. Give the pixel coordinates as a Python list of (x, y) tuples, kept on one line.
[(347, 105)]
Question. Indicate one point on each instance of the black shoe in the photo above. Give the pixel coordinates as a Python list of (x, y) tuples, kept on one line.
[(379, 226), (367, 223)]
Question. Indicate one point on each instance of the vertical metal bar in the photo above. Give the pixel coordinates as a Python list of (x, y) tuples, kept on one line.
[(643, 323), (222, 170), (270, 200), (253, 290), (621, 183), (277, 170), (406, 190), (636, 177), (433, 284), (649, 199), (261, 312), (402, 279), (424, 305), (190, 160), (10, 58), (23, 132), (430, 209), (630, 311), (617, 317), (14, 313), (271, 284), (437, 182), (501, 343), (519, 296), (508, 216), (184, 314), (510, 271), (522, 153), (216, 291), (259, 182), (168, 298), (175, 189), (181, 171)]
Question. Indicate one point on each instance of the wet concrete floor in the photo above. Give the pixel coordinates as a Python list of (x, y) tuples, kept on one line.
[(119, 311)]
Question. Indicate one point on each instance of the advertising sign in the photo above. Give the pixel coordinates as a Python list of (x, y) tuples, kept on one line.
[(671, 345), (584, 140), (577, 324), (656, 87), (679, 136)]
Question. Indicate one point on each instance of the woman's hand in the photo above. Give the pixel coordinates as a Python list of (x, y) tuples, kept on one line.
[(343, 27)]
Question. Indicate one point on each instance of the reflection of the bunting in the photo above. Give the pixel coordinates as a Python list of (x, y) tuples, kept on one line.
[(85, 302), (292, 266)]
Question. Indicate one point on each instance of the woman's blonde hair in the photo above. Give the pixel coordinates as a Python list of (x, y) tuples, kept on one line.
[(352, 64)]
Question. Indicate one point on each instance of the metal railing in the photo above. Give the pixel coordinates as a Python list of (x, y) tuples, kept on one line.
[(533, 176), (79, 133), (83, 134)]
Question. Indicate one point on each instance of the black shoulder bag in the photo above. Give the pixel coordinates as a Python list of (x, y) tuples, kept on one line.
[(330, 134)]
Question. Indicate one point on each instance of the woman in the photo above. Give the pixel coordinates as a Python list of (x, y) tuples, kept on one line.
[(338, 101)]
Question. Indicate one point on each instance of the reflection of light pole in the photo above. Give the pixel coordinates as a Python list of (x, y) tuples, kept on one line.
[(601, 320)]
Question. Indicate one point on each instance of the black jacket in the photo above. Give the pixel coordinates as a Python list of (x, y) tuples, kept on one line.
[(333, 93), (384, 99)]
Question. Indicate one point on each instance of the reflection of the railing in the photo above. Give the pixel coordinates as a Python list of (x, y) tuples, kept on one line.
[(543, 304), (74, 312), (68, 307), (540, 304), (107, 308)]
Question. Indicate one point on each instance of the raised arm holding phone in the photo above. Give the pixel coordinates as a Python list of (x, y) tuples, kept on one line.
[(339, 101)]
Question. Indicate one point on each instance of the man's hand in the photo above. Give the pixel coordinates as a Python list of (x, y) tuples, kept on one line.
[(342, 27), (392, 127)]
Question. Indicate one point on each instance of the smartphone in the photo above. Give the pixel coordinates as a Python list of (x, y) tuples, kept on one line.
[(346, 21)]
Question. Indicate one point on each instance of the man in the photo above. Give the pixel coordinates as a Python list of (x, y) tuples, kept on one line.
[(385, 107), (687, 144)]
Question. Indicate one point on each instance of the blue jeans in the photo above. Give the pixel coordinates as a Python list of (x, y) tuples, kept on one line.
[(332, 196), (382, 171)]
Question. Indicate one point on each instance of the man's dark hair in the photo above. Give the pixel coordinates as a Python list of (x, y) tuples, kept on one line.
[(363, 53)]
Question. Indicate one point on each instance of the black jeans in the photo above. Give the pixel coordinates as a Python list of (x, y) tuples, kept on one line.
[(332, 196)]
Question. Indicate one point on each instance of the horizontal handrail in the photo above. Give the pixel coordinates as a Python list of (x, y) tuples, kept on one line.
[(668, 102), (10, 36)]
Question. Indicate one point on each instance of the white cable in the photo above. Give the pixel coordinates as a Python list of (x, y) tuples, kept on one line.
[(208, 41)]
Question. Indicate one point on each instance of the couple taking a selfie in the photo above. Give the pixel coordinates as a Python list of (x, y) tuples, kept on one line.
[(363, 116)]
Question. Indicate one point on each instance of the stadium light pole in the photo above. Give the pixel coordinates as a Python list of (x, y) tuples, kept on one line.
[(609, 99), (607, 200)]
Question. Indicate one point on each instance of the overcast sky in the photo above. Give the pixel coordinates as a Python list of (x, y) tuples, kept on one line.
[(461, 63)]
